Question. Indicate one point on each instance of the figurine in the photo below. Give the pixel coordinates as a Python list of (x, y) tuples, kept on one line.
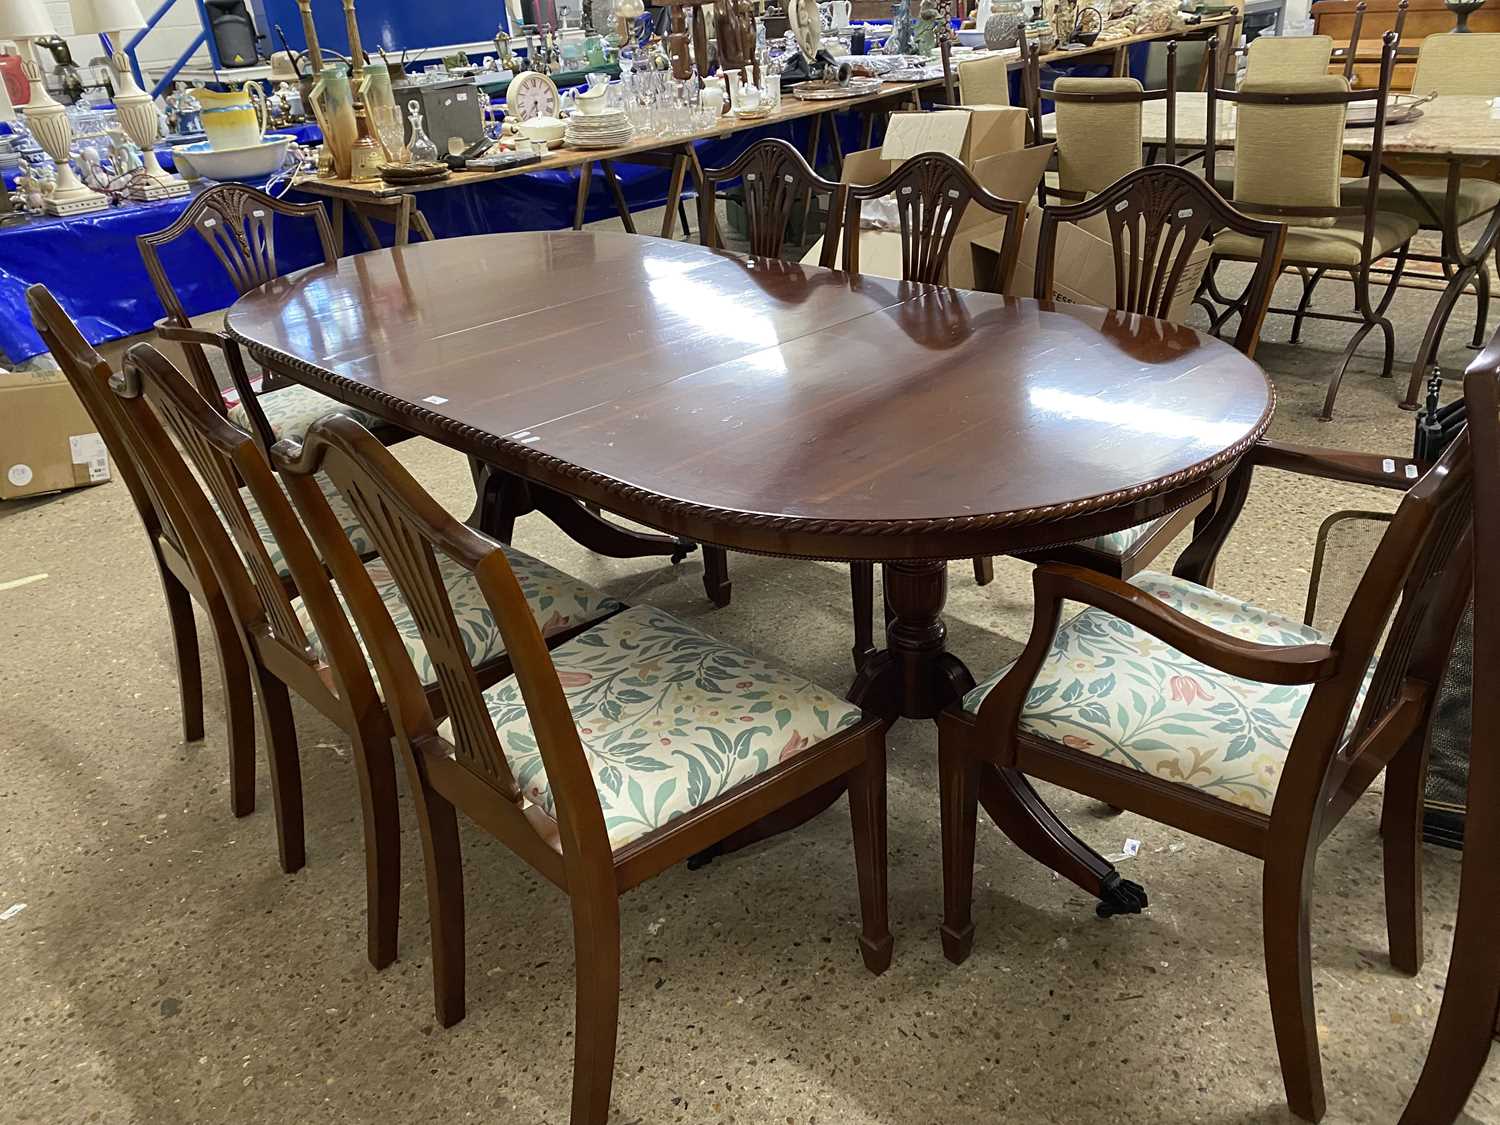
[(927, 28), (91, 167), (901, 40), (508, 60)]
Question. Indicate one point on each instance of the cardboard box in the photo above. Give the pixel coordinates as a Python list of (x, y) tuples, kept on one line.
[(47, 440), (1085, 265)]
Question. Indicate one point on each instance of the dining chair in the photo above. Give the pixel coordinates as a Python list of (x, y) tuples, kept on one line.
[(1157, 217), (298, 639), (1232, 721), (1287, 58), (984, 81), (932, 192), (184, 574), (1288, 146), (1098, 124), (1470, 1014), (601, 763), (777, 182), (239, 225), (1448, 66)]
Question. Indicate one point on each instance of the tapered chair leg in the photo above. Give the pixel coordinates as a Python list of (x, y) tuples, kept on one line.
[(285, 769), (596, 956), (1284, 899), (867, 813), (716, 582), (862, 591), (958, 779), (188, 657), (984, 570), (1401, 833), (442, 857), (375, 769), (239, 709)]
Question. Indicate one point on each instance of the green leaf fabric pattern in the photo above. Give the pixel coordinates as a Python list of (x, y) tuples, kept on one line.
[(1112, 690), (559, 601), (291, 410), (669, 718)]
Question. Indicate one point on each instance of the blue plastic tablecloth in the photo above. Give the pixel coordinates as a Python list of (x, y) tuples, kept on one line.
[(91, 264)]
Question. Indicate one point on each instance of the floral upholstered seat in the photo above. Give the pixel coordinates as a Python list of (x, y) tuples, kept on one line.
[(290, 410), (669, 718), (559, 602), (1119, 542), (358, 539), (1113, 690)]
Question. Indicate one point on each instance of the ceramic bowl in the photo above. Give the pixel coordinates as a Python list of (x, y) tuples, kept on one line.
[(547, 129), (591, 103), (253, 162), (971, 36)]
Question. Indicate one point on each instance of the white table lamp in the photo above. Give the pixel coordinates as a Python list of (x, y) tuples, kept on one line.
[(135, 108), (26, 21)]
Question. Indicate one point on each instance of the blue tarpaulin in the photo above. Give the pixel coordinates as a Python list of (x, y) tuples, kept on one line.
[(91, 264)]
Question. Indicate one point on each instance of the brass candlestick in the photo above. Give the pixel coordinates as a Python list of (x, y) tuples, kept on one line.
[(365, 152)]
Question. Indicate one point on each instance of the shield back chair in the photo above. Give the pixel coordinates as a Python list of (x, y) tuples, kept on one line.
[(238, 224), (180, 564), (1450, 66), (932, 192), (298, 638), (777, 180), (1288, 154), (1234, 722), (601, 763), (1157, 216), (1470, 1012)]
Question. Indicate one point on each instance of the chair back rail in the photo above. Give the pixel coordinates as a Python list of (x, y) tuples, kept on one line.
[(775, 177), (1157, 216), (89, 376), (238, 224), (932, 192), (220, 455), (412, 531), (1293, 96)]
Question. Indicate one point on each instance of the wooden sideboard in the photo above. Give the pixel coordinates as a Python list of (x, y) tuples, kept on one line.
[(1335, 18)]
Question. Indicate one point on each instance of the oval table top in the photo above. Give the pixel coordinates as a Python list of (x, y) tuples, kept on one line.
[(770, 406)]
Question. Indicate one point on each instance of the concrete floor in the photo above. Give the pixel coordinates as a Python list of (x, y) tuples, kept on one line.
[(164, 971)]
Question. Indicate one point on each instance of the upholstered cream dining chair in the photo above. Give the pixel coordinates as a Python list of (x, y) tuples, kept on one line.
[(984, 81), (1097, 142), (1276, 58), (1289, 143)]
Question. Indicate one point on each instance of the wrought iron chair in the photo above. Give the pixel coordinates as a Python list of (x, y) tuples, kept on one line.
[(1293, 724), (238, 224), (1288, 154), (601, 763), (297, 636)]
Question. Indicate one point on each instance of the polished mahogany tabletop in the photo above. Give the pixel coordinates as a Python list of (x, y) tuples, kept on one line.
[(768, 406)]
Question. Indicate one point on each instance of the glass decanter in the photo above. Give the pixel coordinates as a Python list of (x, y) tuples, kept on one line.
[(423, 151)]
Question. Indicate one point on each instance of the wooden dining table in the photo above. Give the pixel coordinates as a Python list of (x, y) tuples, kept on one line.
[(782, 409)]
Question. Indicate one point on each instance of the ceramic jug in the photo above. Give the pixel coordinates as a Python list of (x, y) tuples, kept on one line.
[(234, 119)]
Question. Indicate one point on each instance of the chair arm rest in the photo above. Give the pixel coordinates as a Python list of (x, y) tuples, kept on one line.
[(1338, 464), (1271, 664), (183, 334)]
